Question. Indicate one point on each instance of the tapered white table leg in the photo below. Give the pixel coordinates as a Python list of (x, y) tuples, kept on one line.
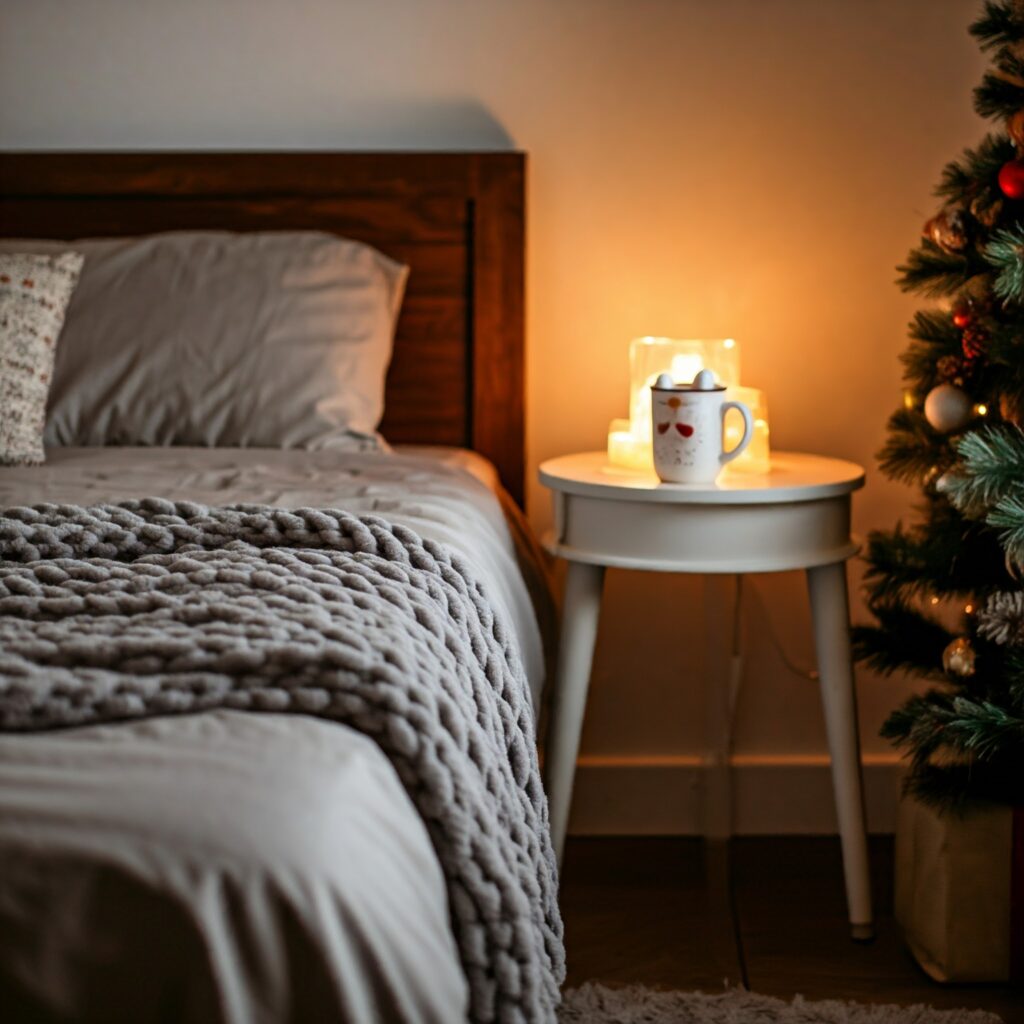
[(581, 610), (830, 607)]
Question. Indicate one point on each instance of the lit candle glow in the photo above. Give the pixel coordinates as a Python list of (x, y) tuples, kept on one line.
[(626, 449), (629, 441)]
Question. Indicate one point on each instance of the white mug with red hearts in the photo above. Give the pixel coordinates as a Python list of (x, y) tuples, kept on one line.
[(689, 427)]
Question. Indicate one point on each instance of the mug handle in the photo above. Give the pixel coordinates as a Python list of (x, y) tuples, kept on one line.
[(748, 430)]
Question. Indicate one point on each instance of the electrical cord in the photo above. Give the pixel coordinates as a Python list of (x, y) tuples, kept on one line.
[(807, 673)]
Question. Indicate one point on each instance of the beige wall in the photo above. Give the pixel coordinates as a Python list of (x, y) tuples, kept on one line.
[(740, 167)]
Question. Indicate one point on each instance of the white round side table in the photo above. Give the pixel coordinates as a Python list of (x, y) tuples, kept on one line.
[(797, 516)]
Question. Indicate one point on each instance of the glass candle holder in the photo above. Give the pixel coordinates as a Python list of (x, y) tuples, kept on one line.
[(629, 441), (627, 450), (683, 359), (757, 458)]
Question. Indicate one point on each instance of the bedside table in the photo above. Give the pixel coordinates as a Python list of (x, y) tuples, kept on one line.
[(797, 516)]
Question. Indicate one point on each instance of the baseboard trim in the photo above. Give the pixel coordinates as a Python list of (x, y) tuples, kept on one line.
[(771, 795)]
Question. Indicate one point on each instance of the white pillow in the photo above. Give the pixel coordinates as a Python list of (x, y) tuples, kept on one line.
[(273, 339), (34, 294)]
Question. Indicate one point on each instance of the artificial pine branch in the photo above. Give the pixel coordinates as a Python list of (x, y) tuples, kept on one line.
[(943, 555), (934, 272), (905, 640), (1005, 253), (1013, 677), (1009, 63), (933, 335), (919, 725), (999, 24), (920, 369), (998, 97), (976, 173), (1006, 347), (992, 468), (982, 729), (935, 327), (991, 480), (897, 566), (913, 448), (1008, 518)]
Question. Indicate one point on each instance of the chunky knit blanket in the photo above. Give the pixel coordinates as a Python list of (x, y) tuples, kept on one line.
[(150, 608)]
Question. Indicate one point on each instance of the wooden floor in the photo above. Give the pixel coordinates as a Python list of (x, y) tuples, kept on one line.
[(660, 912)]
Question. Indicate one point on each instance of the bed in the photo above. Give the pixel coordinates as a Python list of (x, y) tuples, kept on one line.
[(214, 864)]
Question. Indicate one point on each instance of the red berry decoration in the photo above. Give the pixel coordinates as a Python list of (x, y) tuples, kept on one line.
[(1011, 179), (962, 315)]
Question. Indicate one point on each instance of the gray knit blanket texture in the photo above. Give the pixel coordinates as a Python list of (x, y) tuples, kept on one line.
[(145, 608)]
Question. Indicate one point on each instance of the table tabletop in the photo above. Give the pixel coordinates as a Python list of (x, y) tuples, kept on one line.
[(793, 477)]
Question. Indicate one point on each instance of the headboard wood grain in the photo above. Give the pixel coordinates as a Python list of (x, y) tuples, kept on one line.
[(457, 219)]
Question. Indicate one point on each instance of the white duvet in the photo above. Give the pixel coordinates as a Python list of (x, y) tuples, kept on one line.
[(230, 866)]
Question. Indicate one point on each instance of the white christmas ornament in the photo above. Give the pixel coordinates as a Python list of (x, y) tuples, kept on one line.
[(948, 408)]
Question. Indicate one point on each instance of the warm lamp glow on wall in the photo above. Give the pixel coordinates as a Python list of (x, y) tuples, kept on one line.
[(629, 441)]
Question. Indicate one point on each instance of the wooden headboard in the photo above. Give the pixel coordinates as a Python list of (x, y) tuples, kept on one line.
[(457, 219)]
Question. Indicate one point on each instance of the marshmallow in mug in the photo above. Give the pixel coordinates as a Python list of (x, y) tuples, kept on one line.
[(688, 423)]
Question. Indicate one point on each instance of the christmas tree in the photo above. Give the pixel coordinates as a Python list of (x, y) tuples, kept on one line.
[(945, 591)]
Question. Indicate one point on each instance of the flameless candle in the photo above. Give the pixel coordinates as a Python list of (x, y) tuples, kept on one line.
[(683, 359), (626, 449), (757, 457), (629, 441)]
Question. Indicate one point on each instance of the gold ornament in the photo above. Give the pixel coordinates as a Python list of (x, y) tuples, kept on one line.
[(1015, 127), (948, 230), (958, 658), (1011, 408)]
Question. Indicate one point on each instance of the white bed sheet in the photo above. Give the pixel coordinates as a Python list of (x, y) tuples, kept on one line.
[(228, 866)]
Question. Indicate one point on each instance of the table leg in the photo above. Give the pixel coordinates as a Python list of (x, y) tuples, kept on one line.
[(580, 611), (724, 672), (830, 607)]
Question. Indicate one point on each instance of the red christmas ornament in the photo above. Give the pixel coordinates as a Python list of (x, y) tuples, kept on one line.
[(1011, 179), (962, 315)]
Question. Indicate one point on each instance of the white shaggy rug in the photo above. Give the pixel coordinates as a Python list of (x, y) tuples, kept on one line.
[(635, 1004)]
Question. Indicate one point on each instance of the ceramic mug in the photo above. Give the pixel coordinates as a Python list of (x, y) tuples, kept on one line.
[(688, 422)]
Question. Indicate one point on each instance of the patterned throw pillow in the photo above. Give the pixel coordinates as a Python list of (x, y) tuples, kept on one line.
[(34, 293)]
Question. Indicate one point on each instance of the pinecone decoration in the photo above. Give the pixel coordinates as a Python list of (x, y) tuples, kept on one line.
[(974, 341), (1011, 408), (950, 370), (1001, 620)]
